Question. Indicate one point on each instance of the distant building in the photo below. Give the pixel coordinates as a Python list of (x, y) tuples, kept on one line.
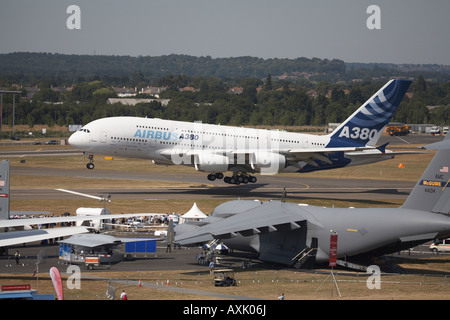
[(31, 91), (135, 101), (236, 90), (188, 89), (62, 89), (124, 92), (154, 91)]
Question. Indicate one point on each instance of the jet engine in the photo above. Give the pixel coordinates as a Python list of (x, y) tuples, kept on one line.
[(267, 162), (209, 162)]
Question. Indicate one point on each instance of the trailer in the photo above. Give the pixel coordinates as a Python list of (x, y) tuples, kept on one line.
[(91, 261)]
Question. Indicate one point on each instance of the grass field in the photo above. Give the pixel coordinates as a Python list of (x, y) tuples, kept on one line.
[(257, 283)]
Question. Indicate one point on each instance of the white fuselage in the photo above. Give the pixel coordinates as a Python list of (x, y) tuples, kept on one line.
[(178, 142), (125, 135)]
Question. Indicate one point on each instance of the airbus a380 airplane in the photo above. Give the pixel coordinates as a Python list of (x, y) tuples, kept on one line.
[(216, 149)]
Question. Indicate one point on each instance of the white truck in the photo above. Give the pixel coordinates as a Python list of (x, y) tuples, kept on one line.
[(435, 130)]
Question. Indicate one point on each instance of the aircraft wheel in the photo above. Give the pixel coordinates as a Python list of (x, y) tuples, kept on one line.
[(211, 177), (226, 180), (90, 166), (219, 175)]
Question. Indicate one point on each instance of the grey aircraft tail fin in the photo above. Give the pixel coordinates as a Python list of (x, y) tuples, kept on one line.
[(432, 191), (4, 189)]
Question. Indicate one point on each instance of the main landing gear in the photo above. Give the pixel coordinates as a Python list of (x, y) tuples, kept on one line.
[(236, 178)]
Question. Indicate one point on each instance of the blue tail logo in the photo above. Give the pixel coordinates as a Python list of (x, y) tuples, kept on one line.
[(364, 126)]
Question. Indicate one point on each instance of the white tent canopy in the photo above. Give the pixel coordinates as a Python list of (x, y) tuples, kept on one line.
[(194, 213)]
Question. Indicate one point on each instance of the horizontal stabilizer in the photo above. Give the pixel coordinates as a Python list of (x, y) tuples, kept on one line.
[(382, 148)]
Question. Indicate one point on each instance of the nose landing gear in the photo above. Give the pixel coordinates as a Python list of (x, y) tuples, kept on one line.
[(90, 165)]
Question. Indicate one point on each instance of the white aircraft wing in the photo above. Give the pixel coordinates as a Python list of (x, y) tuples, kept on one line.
[(36, 221), (19, 237), (296, 154), (324, 150)]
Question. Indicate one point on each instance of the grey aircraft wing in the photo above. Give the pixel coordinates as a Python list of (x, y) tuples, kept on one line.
[(266, 218)]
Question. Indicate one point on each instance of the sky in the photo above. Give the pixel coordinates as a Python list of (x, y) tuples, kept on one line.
[(411, 31)]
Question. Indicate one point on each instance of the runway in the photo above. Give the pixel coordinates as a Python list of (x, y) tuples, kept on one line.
[(267, 187), (311, 188)]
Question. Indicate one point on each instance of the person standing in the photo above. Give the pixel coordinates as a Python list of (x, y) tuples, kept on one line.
[(17, 256), (211, 267)]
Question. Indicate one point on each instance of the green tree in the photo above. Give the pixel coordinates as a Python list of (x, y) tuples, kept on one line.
[(268, 83)]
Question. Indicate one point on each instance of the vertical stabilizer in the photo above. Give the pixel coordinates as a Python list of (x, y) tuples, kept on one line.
[(4, 190), (432, 191), (365, 126)]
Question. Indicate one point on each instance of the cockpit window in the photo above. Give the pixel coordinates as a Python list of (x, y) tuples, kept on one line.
[(85, 130)]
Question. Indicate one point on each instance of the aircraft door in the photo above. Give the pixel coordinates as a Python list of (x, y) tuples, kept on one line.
[(284, 245), (103, 136)]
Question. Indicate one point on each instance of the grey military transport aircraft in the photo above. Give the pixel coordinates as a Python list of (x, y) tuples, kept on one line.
[(292, 234)]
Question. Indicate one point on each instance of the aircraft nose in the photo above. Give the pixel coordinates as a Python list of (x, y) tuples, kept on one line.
[(75, 140)]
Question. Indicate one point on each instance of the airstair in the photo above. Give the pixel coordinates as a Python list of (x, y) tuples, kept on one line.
[(307, 256)]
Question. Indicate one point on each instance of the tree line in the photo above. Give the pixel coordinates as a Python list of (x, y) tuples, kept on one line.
[(25, 67), (65, 70), (266, 102)]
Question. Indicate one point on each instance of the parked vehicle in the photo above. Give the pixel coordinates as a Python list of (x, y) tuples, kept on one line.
[(441, 246), (224, 278)]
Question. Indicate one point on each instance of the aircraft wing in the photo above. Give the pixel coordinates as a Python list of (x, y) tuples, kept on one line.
[(377, 152), (10, 223), (255, 221), (91, 240), (296, 154), (19, 237), (325, 150)]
